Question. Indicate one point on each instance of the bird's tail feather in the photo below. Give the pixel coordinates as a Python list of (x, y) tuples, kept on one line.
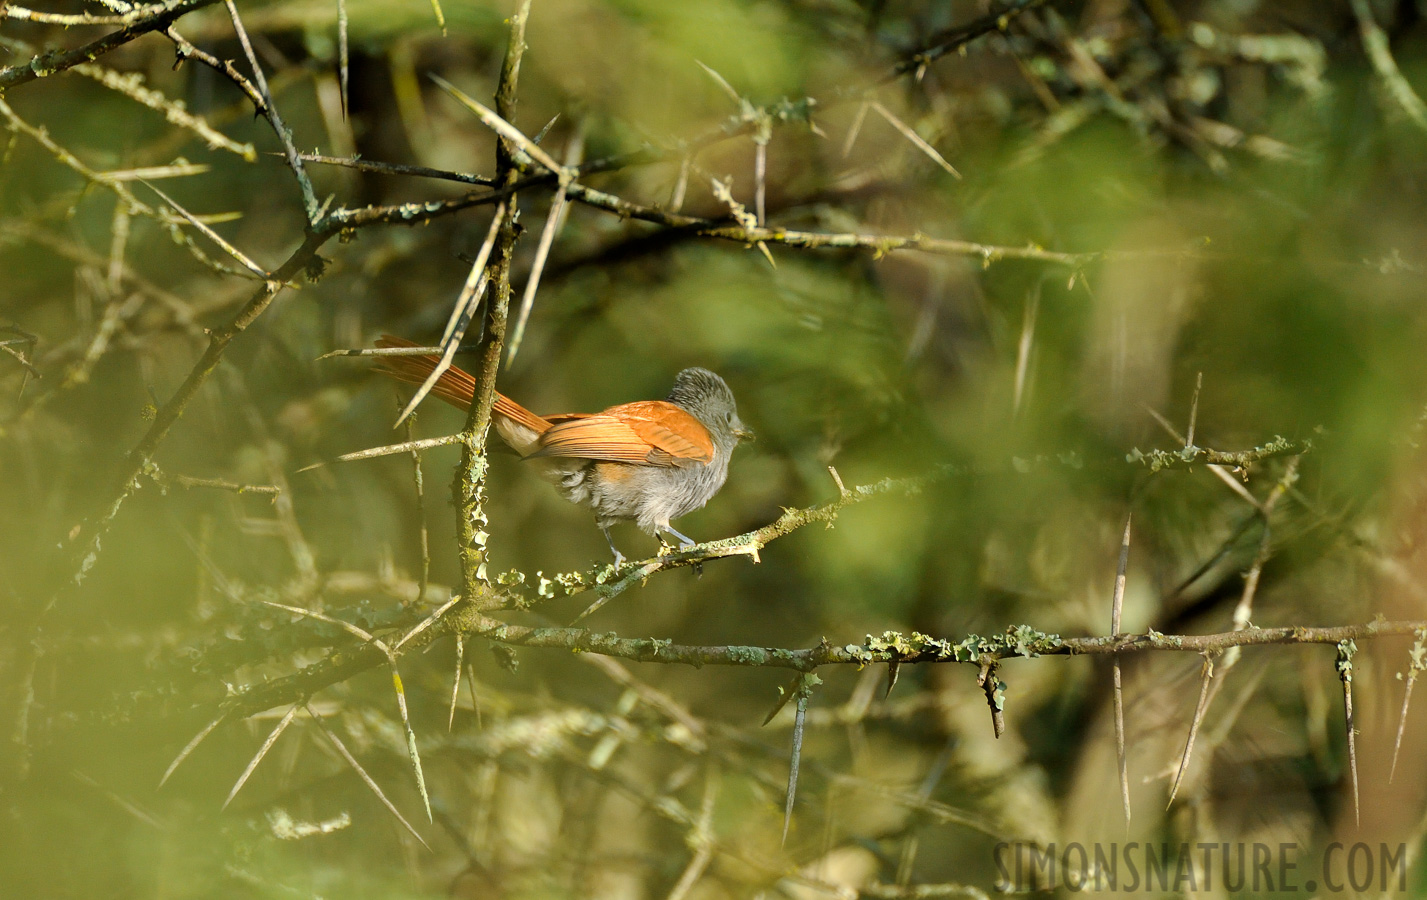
[(456, 386)]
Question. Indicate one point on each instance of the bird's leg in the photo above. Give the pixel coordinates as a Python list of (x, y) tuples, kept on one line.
[(618, 557), (685, 542)]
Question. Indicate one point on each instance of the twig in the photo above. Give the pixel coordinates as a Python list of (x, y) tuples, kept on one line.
[(21, 14), (917, 140), (269, 111), (804, 690), (186, 50), (1207, 675), (1376, 44), (267, 745), (955, 38), (462, 312), (400, 690), (1417, 663), (423, 533), (1024, 345), (191, 746), (995, 690), (456, 680), (1117, 603), (188, 481), (58, 60), (342, 55), (389, 449), (1346, 648), (553, 223), (367, 779), (1193, 411), (131, 85), (385, 168), (386, 351), (532, 283), (495, 122), (213, 236)]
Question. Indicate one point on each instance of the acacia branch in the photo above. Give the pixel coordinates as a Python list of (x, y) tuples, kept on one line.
[(1016, 642), (468, 487), (610, 581), (46, 64), (953, 39)]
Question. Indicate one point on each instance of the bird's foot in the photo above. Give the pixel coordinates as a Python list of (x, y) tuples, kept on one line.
[(685, 542), (618, 557)]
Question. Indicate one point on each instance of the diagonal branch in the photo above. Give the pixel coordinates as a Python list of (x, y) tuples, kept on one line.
[(46, 64)]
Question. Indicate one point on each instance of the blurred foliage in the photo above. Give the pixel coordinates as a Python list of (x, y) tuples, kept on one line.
[(1250, 190)]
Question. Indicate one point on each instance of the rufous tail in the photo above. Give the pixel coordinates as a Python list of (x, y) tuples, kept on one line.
[(455, 386)]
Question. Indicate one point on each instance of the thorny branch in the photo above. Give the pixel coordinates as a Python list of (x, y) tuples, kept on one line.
[(47, 64)]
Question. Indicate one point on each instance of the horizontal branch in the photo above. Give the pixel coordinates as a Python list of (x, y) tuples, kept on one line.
[(609, 581), (1017, 641), (1157, 460)]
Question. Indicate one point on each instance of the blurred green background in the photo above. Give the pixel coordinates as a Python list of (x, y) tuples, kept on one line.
[(1253, 194)]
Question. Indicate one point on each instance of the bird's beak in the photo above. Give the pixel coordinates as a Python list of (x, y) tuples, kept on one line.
[(744, 434)]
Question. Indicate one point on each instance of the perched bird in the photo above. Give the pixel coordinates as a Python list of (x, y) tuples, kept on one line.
[(646, 462)]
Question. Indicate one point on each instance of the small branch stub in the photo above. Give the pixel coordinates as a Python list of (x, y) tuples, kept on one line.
[(995, 690)]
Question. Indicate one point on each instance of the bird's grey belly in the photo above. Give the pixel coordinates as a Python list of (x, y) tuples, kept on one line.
[(649, 496)]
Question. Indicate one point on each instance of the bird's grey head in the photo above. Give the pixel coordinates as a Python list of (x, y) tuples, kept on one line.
[(708, 398)]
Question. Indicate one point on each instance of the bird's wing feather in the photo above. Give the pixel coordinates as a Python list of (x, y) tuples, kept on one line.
[(648, 433)]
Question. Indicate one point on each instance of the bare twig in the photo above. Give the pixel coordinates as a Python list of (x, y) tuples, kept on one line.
[(532, 283), (1417, 663), (1376, 44), (342, 57), (269, 111), (462, 313), (1207, 675), (188, 481), (495, 122), (1117, 603), (58, 60), (213, 236), (191, 746), (267, 745), (917, 140), (456, 680), (955, 38), (803, 691), (367, 779), (1194, 411), (1346, 648), (390, 449)]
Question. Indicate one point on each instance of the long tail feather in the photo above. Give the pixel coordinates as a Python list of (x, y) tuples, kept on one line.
[(456, 386)]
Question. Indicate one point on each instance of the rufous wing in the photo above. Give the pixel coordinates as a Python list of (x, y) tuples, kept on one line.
[(647, 433)]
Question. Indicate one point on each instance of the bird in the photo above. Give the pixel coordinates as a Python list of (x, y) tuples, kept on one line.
[(646, 462)]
